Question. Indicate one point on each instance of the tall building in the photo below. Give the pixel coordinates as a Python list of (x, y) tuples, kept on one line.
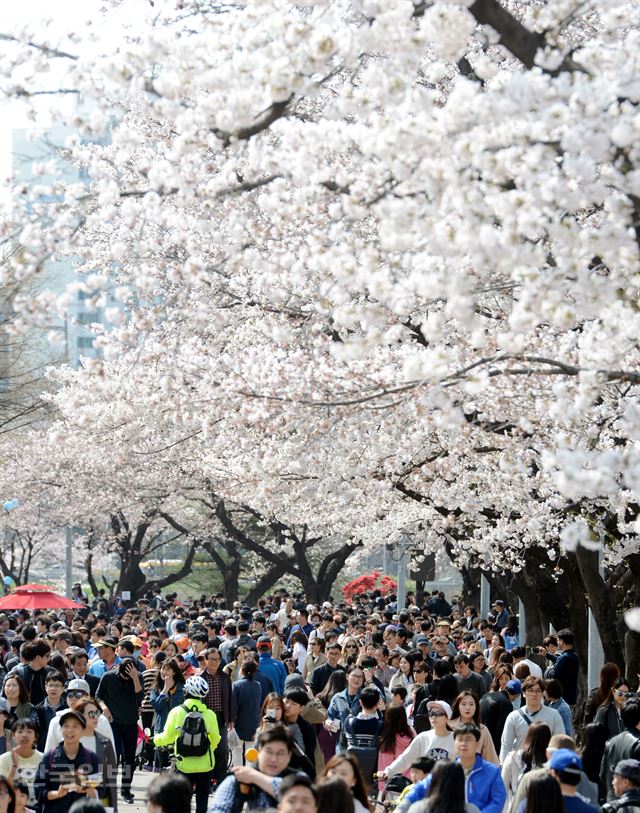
[(33, 152)]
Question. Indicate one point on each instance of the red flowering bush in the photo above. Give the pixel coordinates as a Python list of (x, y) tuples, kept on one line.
[(367, 583)]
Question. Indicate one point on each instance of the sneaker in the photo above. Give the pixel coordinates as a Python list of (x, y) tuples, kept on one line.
[(127, 797), (147, 767)]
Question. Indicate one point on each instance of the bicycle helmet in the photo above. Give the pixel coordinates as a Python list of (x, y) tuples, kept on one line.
[(196, 686)]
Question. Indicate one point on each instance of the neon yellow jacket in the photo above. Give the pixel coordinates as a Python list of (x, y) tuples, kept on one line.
[(172, 730)]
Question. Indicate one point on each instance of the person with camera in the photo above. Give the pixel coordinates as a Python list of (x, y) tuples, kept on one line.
[(120, 694)]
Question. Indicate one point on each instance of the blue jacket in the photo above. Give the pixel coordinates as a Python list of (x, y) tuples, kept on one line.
[(246, 700), (484, 788), (275, 670), (162, 705), (564, 710), (565, 669)]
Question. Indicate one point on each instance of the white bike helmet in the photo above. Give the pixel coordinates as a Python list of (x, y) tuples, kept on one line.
[(196, 686)]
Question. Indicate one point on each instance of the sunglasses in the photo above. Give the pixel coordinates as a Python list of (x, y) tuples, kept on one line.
[(437, 714), (93, 714), (351, 646), (623, 694), (76, 693)]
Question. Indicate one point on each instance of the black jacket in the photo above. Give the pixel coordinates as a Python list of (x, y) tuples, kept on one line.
[(34, 680), (93, 682), (495, 707), (120, 698), (55, 769), (629, 802), (622, 746), (321, 675)]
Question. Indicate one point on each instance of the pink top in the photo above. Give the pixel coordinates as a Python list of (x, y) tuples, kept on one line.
[(385, 758)]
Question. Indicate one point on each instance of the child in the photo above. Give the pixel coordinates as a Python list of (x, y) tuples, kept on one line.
[(22, 796), (398, 696), (419, 770)]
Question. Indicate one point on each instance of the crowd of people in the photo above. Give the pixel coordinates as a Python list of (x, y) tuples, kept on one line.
[(347, 707)]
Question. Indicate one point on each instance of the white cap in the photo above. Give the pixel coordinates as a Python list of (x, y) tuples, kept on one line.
[(440, 704)]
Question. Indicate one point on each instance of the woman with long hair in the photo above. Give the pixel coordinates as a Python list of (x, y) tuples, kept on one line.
[(594, 739), (544, 796), (329, 732), (396, 737), (501, 677), (404, 675), (510, 633), (446, 791), (169, 648), (609, 673), (166, 694), (533, 754), (350, 651), (315, 657), (609, 712), (102, 748), (465, 709), (347, 768), (334, 796), (298, 644), (15, 691), (272, 710), (496, 642), (494, 658)]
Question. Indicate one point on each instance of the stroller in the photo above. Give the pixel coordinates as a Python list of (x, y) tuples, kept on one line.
[(388, 797)]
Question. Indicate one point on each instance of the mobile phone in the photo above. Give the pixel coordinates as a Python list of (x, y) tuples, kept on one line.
[(271, 714)]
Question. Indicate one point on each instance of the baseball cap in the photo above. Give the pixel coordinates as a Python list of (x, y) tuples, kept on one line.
[(78, 685), (264, 642), (514, 686), (421, 639), (440, 704), (566, 761), (629, 769), (76, 715), (109, 641)]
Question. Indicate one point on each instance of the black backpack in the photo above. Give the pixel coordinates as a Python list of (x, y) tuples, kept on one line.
[(193, 740)]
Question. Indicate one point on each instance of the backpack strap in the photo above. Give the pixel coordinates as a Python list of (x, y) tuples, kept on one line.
[(527, 719)]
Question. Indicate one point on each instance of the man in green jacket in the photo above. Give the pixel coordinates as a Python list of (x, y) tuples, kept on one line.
[(193, 758)]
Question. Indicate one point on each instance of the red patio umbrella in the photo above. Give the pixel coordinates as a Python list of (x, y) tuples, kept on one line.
[(35, 597)]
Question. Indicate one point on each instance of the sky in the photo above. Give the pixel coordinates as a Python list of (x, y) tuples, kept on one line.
[(69, 15)]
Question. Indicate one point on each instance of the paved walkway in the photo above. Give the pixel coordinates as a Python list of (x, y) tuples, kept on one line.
[(141, 781)]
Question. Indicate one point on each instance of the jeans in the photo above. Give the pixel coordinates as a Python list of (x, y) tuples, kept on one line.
[(202, 783), (221, 754), (126, 739)]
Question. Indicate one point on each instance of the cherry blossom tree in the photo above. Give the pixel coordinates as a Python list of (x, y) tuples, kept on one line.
[(378, 267)]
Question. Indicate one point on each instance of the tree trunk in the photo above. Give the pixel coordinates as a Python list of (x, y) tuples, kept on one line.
[(265, 583), (600, 604), (231, 581), (632, 658), (534, 622), (131, 579)]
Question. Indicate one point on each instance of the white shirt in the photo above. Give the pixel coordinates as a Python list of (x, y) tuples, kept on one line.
[(54, 734), (516, 727), (426, 744), (534, 669)]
